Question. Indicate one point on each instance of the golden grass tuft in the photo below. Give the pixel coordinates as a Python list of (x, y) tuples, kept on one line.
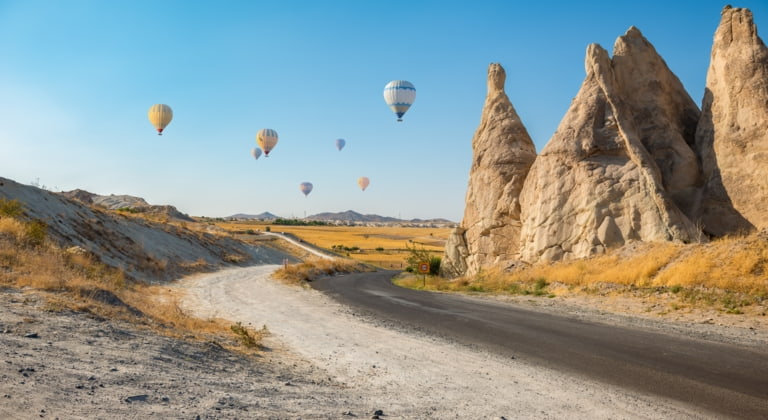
[(738, 264), (316, 267)]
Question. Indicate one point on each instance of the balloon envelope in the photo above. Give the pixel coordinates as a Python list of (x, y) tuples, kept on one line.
[(363, 182), (256, 152), (266, 138), (399, 96), (340, 144), (160, 116), (306, 188)]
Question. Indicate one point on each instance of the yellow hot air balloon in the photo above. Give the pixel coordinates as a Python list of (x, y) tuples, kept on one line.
[(363, 182), (160, 116), (266, 138)]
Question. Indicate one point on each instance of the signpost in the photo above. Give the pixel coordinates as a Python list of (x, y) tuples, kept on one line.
[(424, 269)]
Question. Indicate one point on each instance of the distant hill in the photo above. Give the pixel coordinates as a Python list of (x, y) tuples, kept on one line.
[(353, 216), (261, 216)]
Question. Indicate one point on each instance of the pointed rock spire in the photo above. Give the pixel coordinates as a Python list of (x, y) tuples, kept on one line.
[(502, 153), (602, 179), (732, 135)]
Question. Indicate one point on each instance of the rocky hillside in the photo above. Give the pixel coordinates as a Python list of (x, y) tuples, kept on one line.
[(144, 250), (127, 203), (634, 159)]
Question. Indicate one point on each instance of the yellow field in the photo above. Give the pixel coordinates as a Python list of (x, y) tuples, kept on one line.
[(385, 247)]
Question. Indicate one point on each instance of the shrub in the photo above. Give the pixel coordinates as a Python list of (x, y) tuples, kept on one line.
[(10, 208), (248, 338), (36, 232)]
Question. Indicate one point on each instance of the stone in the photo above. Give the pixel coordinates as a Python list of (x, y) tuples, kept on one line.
[(620, 165), (732, 134), (502, 153)]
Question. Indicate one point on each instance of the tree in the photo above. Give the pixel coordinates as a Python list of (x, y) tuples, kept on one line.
[(419, 255)]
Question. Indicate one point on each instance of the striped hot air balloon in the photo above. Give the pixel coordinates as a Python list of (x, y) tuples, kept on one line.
[(160, 116), (399, 96), (266, 138)]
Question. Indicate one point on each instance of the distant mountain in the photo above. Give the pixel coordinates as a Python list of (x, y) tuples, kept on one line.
[(355, 217), (351, 216), (262, 216)]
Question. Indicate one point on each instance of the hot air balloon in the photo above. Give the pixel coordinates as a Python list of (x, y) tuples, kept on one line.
[(306, 188), (266, 138), (160, 116), (363, 182), (340, 144), (399, 96), (256, 152)]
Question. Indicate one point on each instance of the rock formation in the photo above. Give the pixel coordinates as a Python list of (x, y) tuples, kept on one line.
[(618, 163), (632, 160), (732, 136), (502, 155)]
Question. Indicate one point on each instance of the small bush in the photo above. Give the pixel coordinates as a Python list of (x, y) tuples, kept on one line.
[(247, 337), (36, 232), (10, 208)]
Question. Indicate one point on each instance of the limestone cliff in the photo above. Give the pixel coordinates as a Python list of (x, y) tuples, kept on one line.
[(732, 136)]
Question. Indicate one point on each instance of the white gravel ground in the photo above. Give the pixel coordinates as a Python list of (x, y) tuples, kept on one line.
[(405, 374)]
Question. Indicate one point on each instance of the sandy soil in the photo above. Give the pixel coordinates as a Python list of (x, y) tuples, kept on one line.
[(322, 361)]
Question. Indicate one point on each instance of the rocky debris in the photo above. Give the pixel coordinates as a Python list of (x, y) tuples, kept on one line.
[(90, 370), (603, 178), (732, 137), (502, 153), (126, 203)]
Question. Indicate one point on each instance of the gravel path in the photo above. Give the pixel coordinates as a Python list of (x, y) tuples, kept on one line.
[(407, 374)]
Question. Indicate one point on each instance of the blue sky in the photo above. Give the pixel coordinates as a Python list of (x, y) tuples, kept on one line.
[(77, 78)]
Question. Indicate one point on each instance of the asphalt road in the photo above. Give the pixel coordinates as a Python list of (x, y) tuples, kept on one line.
[(725, 379)]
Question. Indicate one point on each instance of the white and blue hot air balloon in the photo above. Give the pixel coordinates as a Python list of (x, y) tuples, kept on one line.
[(340, 144), (399, 96)]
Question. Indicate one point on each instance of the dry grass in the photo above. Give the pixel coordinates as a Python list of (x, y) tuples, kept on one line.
[(314, 268), (728, 274), (384, 247), (72, 279)]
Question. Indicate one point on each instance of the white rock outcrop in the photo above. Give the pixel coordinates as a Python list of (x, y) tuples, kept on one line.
[(620, 162), (732, 135), (502, 153)]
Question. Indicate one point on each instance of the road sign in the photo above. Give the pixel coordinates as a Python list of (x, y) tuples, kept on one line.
[(424, 267)]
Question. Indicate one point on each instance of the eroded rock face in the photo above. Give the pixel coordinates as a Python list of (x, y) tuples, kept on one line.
[(732, 135), (620, 162), (502, 155)]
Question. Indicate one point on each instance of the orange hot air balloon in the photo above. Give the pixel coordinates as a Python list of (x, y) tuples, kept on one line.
[(363, 182)]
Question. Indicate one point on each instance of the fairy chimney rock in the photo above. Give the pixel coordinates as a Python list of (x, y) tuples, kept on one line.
[(502, 153), (732, 134), (620, 166)]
